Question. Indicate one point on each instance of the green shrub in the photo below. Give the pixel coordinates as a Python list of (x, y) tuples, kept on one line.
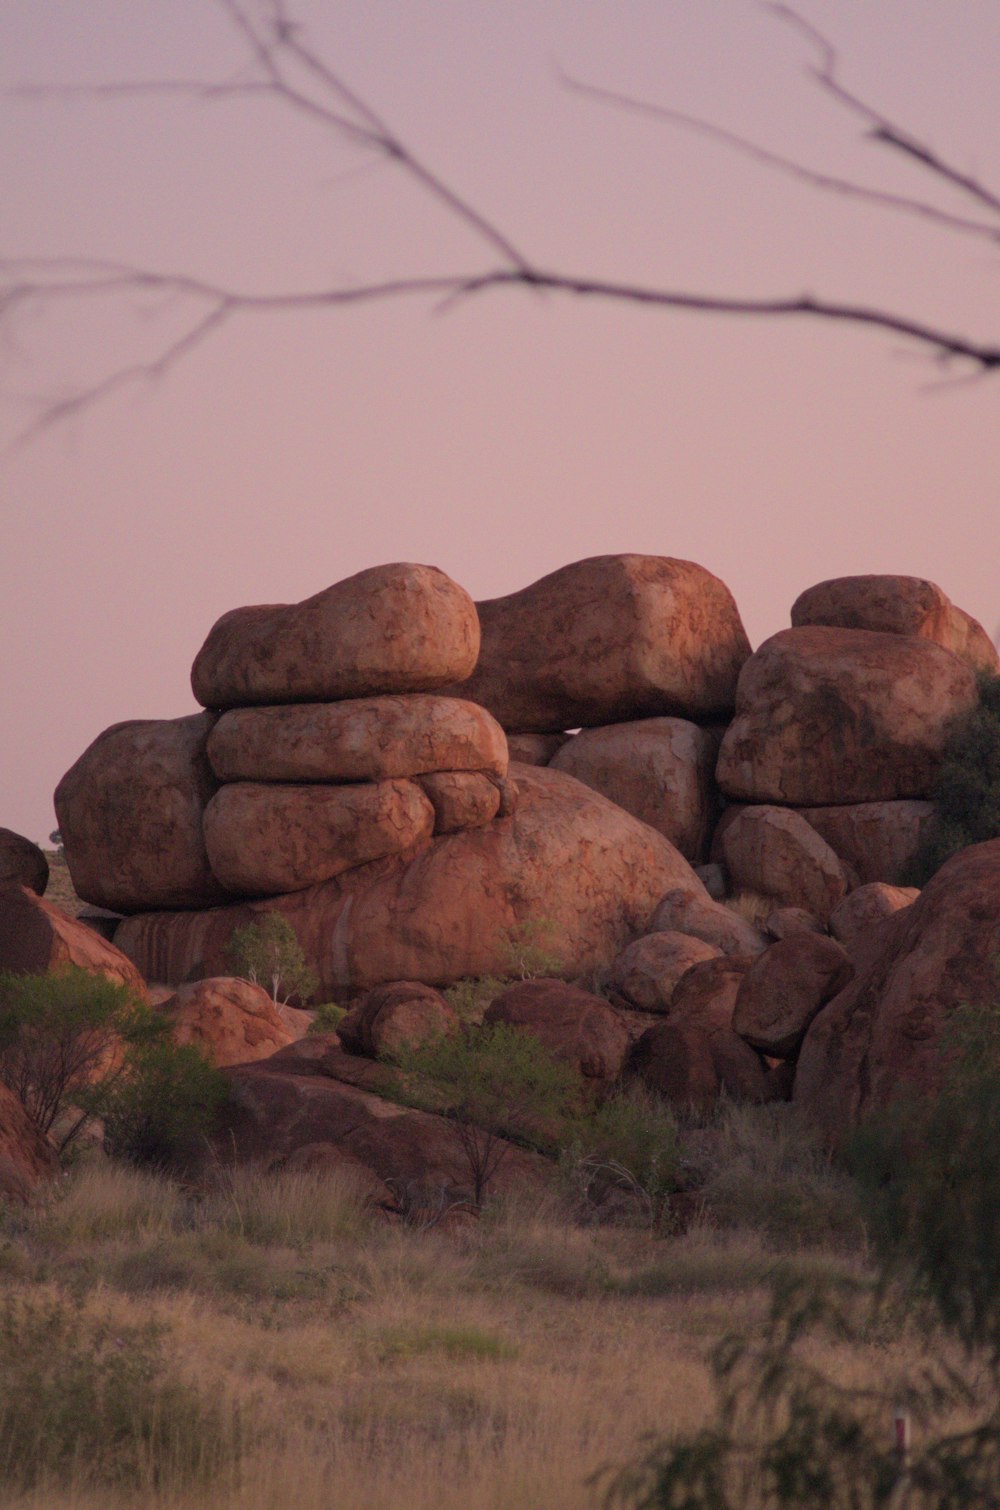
[(164, 1106), (328, 1017), (494, 1084), (629, 1143), (64, 1033), (85, 1399), (269, 954), (967, 791)]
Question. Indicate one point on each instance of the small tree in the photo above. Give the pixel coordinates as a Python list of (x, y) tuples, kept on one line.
[(269, 954), (163, 1107), (65, 1033), (494, 1084)]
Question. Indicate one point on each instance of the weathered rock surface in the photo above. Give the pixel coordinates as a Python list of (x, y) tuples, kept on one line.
[(575, 1026), (682, 911), (230, 1020), (661, 770), (774, 852), (842, 715), (265, 838), (402, 1014), (461, 799), (689, 1065), (27, 1160), (705, 995), (606, 639), (784, 989), (869, 904), (567, 857), (363, 739), (535, 749), (897, 605), (784, 921), (130, 813), (880, 1035), (36, 937), (878, 839), (22, 862), (645, 973), (398, 628)]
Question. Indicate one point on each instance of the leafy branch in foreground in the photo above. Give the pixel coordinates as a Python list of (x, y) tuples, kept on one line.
[(284, 68)]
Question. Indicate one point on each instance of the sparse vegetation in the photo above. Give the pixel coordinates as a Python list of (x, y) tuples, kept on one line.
[(162, 1107), (268, 954)]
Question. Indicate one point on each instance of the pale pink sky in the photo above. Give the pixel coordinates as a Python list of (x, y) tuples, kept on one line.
[(512, 434)]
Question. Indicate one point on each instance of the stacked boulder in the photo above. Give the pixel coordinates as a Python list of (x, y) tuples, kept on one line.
[(341, 777)]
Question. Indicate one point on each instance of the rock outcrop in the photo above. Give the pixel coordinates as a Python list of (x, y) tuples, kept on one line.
[(897, 605), (575, 1026), (230, 1020)]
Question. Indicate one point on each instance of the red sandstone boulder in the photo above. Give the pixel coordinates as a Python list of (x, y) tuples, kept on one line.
[(661, 770), (461, 799), (877, 839), (774, 852), (403, 1014), (705, 995), (682, 911), (610, 638), (842, 715), (22, 862), (784, 989), (567, 858), (398, 628), (869, 904), (676, 1061), (130, 814), (35, 937), (363, 739), (580, 1029), (230, 1020), (645, 973), (784, 921), (27, 1160), (897, 605), (535, 749), (265, 838), (880, 1035)]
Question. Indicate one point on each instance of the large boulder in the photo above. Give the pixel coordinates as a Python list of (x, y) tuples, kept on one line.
[(22, 862), (606, 639), (130, 814), (681, 911), (661, 770), (567, 858), (363, 739), (868, 904), (689, 1065), (881, 1035), (897, 605), (575, 1026), (784, 989), (645, 973), (774, 852), (877, 839), (398, 628), (265, 837), (27, 1159), (230, 1020), (842, 715), (36, 938), (705, 995)]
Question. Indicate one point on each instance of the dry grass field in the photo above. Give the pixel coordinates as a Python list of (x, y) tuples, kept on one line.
[(271, 1341)]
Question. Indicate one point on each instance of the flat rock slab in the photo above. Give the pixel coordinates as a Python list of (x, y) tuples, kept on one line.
[(265, 838), (567, 858), (661, 770), (361, 739), (607, 639), (829, 716), (130, 814), (898, 605), (398, 628)]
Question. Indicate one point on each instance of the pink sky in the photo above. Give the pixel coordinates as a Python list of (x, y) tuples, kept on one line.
[(514, 433)]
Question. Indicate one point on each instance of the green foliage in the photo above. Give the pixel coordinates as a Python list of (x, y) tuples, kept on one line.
[(628, 1144), (64, 1032), (164, 1105), (328, 1017), (269, 954), (528, 950), (83, 1399), (469, 998), (789, 1435), (494, 1084), (967, 793)]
